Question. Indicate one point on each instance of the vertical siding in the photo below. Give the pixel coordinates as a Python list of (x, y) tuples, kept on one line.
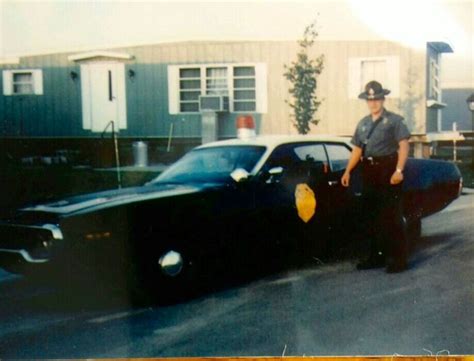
[(58, 111)]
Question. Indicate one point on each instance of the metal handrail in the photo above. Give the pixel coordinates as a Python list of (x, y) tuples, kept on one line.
[(116, 151)]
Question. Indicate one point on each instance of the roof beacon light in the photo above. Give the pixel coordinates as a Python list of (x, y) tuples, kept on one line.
[(245, 127)]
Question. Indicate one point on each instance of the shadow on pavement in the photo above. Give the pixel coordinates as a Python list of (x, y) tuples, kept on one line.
[(431, 246)]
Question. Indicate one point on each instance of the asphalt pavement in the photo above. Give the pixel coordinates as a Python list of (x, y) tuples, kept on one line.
[(320, 309)]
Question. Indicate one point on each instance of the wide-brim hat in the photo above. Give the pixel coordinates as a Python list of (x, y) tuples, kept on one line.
[(374, 90)]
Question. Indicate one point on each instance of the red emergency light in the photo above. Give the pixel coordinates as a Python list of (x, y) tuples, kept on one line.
[(245, 127)]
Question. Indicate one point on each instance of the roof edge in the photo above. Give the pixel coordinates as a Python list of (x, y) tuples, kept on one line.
[(112, 47), (10, 60), (441, 46)]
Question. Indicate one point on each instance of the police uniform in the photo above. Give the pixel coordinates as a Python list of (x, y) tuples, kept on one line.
[(382, 201)]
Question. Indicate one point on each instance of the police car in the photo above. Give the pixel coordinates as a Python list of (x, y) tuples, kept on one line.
[(228, 205)]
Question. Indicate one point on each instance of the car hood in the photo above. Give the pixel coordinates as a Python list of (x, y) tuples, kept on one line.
[(110, 198)]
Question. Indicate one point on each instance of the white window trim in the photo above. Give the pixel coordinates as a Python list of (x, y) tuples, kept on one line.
[(355, 75), (37, 76), (260, 85)]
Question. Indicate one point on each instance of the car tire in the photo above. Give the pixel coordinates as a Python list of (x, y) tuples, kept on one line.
[(153, 285)]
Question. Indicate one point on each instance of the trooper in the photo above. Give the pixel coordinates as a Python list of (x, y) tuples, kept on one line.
[(381, 147)]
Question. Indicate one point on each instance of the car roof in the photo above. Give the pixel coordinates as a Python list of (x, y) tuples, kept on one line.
[(271, 141)]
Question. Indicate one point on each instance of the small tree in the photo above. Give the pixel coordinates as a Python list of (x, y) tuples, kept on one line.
[(302, 75)]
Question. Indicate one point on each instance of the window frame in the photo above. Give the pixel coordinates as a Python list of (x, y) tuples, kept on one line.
[(8, 76), (193, 90), (329, 158), (226, 77), (244, 77), (355, 76), (260, 77), (31, 83), (294, 145)]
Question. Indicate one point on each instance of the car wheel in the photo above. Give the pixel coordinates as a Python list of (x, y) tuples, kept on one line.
[(169, 276)]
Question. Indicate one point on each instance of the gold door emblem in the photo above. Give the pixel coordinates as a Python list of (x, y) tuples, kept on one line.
[(305, 202)]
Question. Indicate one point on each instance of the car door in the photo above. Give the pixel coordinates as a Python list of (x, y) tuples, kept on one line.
[(291, 195), (343, 211)]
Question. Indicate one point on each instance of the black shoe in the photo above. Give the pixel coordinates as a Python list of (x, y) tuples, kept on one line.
[(371, 262)]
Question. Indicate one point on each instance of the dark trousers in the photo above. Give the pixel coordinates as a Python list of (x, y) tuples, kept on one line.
[(382, 211)]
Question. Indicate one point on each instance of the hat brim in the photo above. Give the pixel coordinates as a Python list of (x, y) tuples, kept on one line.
[(376, 96)]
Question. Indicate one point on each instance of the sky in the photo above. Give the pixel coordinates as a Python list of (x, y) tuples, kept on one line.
[(32, 27)]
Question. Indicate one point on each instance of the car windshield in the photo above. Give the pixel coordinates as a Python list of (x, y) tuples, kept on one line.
[(211, 164)]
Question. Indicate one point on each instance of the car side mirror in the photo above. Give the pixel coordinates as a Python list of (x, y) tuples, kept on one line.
[(273, 175), (275, 171), (239, 175)]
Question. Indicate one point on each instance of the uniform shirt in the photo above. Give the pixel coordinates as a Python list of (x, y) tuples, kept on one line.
[(385, 137)]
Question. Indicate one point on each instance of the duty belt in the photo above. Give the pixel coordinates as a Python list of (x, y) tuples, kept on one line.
[(378, 160)]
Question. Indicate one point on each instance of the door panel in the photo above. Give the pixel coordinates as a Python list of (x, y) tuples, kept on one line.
[(342, 212), (294, 203)]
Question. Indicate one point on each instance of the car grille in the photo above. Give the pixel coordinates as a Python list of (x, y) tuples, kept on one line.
[(36, 240)]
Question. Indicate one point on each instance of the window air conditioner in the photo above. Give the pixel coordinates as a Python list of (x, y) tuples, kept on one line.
[(217, 103)]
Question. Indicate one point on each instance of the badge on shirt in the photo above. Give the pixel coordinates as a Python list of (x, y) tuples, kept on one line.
[(385, 120)]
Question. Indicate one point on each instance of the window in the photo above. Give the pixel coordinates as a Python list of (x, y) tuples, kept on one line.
[(301, 162), (189, 89), (373, 70), (433, 90), (216, 81), (244, 89), (385, 69), (244, 84), (212, 164), (313, 153), (289, 155), (22, 82), (339, 155)]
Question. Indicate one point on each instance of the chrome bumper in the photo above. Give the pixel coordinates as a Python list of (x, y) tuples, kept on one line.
[(29, 243), (25, 255)]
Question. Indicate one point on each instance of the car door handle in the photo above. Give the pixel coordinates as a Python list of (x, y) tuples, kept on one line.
[(333, 183)]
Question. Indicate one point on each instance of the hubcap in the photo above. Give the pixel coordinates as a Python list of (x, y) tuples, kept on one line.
[(171, 263)]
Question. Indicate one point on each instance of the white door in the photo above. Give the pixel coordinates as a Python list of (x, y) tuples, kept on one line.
[(103, 96)]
